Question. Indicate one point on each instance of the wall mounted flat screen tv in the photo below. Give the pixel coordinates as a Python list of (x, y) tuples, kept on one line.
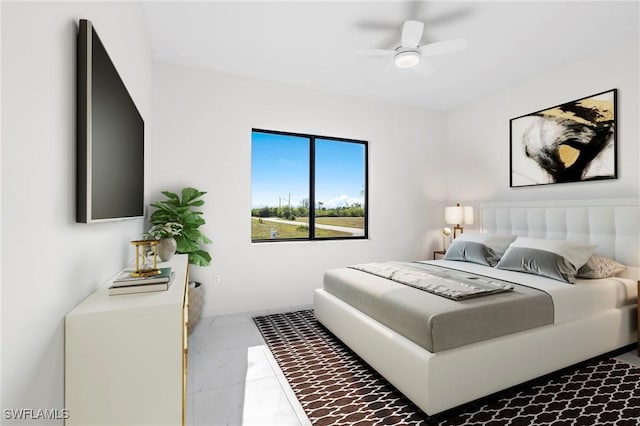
[(110, 140)]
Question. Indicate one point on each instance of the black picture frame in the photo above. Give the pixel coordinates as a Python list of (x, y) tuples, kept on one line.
[(571, 142)]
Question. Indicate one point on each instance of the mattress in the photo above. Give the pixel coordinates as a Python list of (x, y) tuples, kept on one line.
[(439, 324)]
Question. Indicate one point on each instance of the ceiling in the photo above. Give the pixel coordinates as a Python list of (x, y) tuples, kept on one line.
[(315, 43)]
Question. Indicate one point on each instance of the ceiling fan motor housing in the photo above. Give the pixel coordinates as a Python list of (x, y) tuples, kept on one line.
[(407, 57)]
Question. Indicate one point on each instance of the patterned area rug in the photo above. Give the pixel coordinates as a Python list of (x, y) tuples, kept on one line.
[(336, 387)]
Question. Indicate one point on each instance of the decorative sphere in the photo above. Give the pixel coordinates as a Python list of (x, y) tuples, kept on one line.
[(446, 231)]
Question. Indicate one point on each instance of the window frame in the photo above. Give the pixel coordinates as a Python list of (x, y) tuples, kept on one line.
[(312, 196)]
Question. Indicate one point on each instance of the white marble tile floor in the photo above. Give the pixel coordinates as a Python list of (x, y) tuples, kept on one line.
[(234, 380), (630, 357)]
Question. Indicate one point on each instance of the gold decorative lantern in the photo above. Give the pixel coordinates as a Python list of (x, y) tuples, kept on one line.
[(146, 265)]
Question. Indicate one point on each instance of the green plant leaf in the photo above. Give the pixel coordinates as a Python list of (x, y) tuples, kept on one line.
[(196, 203), (185, 244), (170, 195), (195, 235), (193, 220), (203, 239), (189, 194), (167, 208), (163, 212), (200, 258), (191, 233), (161, 218)]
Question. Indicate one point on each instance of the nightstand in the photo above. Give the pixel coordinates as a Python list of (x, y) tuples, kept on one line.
[(439, 254)]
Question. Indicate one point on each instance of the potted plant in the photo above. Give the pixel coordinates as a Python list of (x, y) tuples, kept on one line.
[(176, 210)]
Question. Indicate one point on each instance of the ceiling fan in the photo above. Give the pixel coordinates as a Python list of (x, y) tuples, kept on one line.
[(410, 52)]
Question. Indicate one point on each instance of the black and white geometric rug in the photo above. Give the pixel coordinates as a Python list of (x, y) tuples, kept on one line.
[(335, 387)]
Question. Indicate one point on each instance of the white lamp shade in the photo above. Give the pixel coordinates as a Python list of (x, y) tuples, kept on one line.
[(468, 215), (454, 215), (458, 215)]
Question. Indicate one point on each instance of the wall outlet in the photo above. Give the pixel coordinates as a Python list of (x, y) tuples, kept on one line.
[(216, 279)]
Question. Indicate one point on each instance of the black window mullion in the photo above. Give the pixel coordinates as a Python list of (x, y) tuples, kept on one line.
[(366, 190), (312, 188)]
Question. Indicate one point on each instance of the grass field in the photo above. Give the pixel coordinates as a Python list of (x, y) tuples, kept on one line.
[(262, 231), (351, 222)]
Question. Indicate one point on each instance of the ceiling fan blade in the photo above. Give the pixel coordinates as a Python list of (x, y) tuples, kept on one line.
[(446, 46), (412, 33), (377, 25), (447, 17), (375, 52), (424, 69), (413, 9)]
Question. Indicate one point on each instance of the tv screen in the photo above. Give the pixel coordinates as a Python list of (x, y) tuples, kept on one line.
[(110, 151)]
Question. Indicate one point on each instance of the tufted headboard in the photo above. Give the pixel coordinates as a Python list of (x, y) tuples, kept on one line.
[(612, 224)]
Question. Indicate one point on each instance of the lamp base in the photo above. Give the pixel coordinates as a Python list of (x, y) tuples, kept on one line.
[(456, 229)]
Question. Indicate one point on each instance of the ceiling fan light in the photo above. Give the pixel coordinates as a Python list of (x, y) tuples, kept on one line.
[(407, 59)]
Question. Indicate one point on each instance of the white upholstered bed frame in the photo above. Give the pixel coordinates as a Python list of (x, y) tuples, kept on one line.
[(440, 381)]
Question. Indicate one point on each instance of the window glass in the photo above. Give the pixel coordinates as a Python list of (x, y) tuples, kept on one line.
[(340, 186), (298, 180), (279, 185)]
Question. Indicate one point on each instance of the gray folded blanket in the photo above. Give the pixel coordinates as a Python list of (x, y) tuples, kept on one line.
[(449, 283)]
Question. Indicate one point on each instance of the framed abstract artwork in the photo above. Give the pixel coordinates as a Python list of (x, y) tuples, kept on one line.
[(571, 142)]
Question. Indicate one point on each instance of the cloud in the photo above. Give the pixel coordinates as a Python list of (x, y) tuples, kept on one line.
[(341, 201)]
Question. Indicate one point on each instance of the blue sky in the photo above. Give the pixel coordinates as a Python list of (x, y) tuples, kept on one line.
[(280, 165)]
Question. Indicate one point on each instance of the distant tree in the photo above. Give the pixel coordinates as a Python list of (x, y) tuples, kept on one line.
[(265, 212), (286, 212), (302, 211)]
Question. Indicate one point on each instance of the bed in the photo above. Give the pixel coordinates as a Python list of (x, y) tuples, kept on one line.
[(588, 323)]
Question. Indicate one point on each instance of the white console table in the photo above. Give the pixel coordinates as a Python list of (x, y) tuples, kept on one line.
[(126, 356)]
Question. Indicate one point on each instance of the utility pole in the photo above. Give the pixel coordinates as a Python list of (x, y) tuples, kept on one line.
[(288, 203)]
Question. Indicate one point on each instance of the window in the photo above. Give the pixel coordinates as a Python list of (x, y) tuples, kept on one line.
[(306, 187)]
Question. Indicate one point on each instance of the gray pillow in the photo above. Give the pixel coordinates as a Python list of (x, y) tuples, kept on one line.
[(469, 251), (485, 249), (600, 267), (576, 253), (538, 262)]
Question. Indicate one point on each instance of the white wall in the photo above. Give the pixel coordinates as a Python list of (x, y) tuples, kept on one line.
[(478, 133), (202, 138), (50, 263)]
